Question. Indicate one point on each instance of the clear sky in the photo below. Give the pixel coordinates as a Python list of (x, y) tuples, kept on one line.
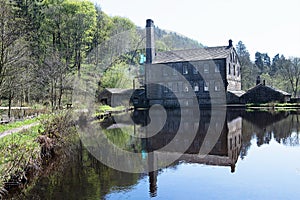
[(267, 26)]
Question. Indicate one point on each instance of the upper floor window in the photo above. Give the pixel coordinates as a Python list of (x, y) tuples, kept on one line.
[(185, 69), (233, 70), (165, 71), (176, 68), (229, 68), (206, 68), (217, 67), (175, 87), (195, 68)]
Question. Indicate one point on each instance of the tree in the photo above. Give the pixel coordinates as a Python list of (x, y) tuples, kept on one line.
[(11, 32), (249, 71), (262, 61), (290, 69), (117, 76), (274, 66), (13, 50)]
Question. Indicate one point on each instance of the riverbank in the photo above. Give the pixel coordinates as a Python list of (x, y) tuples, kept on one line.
[(273, 106), (26, 154)]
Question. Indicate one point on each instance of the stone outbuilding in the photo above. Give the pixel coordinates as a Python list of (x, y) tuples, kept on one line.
[(115, 97), (262, 93), (233, 97)]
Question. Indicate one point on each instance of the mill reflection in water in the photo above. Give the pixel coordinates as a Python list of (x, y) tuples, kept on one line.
[(223, 150), (87, 178)]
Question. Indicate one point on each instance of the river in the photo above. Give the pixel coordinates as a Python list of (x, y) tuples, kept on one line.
[(255, 156)]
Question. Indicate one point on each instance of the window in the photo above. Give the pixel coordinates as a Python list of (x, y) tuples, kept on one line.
[(229, 68), (217, 86), (206, 86), (233, 70), (206, 68), (196, 87), (238, 71), (159, 87), (185, 69), (195, 68), (185, 87), (217, 67), (169, 85), (166, 89), (175, 67), (165, 72), (175, 87)]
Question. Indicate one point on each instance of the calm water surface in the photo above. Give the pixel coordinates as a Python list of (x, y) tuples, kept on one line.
[(256, 157)]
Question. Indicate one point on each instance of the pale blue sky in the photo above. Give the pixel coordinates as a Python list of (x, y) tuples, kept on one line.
[(263, 25)]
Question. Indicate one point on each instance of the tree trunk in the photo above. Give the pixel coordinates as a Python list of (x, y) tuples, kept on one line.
[(60, 91), (9, 104)]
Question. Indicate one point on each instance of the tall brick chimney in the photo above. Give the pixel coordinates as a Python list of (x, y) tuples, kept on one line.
[(150, 42)]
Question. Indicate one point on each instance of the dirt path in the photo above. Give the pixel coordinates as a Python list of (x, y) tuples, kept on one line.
[(16, 130)]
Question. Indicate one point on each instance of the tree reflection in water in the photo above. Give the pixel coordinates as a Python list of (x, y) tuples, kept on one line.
[(84, 177)]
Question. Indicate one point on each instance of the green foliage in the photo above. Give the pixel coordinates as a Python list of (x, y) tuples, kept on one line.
[(249, 71), (173, 41), (22, 151), (123, 138), (117, 76), (5, 127), (103, 109), (17, 151)]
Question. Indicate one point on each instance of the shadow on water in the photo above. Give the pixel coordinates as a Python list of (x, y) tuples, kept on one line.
[(84, 177)]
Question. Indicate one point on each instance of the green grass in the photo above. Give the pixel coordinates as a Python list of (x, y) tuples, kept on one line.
[(5, 127), (104, 108), (17, 150), (272, 104), (9, 126)]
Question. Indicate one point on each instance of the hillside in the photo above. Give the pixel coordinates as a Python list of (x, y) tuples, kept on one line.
[(167, 40)]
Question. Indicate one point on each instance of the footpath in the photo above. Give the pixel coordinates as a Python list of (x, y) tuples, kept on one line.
[(16, 130)]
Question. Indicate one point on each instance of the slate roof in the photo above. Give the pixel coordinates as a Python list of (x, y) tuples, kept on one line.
[(238, 93), (274, 89), (207, 53)]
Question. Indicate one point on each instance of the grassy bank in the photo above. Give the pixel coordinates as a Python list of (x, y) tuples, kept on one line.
[(6, 127), (17, 152), (25, 154)]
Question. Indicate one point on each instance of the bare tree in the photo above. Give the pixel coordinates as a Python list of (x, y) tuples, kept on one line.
[(290, 69), (11, 30)]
